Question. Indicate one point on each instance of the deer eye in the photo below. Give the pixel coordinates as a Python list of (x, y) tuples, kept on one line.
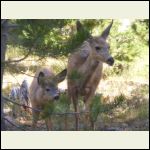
[(97, 48)]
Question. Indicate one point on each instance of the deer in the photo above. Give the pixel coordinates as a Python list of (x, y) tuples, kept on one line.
[(20, 94), (44, 88), (87, 63)]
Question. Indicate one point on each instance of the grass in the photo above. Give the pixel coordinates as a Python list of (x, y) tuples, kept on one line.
[(125, 98), (138, 70), (143, 110), (14, 52), (106, 115)]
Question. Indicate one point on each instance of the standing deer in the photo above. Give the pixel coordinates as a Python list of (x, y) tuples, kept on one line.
[(43, 89), (87, 64)]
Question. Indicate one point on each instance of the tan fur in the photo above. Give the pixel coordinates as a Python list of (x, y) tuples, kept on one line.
[(44, 88), (36, 91), (37, 97), (89, 63)]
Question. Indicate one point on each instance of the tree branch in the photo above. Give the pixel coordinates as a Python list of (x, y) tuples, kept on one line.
[(13, 124), (29, 52), (28, 74), (15, 61)]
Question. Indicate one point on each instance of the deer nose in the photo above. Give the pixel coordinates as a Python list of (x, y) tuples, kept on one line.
[(110, 61), (56, 97)]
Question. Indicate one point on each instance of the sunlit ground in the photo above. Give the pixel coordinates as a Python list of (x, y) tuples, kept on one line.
[(131, 114)]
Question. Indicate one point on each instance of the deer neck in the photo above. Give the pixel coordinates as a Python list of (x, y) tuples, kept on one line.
[(89, 65), (87, 70)]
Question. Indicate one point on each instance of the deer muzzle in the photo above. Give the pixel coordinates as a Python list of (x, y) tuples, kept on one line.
[(110, 61)]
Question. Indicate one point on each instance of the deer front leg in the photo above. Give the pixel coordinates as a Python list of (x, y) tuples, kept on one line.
[(65, 116), (87, 102), (75, 104), (35, 117), (73, 93), (49, 124), (66, 122), (88, 116)]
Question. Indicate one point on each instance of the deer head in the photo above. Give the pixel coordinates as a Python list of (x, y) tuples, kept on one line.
[(49, 85), (100, 48)]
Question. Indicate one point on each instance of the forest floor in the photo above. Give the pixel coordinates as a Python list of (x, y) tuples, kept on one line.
[(132, 114), (131, 89)]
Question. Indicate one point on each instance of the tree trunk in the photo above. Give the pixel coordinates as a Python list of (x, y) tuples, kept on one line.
[(4, 33)]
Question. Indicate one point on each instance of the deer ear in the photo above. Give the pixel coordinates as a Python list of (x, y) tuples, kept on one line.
[(105, 33), (61, 76), (79, 26), (40, 78)]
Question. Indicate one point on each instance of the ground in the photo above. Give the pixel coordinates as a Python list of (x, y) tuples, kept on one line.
[(131, 114)]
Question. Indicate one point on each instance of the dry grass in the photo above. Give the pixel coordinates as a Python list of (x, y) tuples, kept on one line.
[(131, 114)]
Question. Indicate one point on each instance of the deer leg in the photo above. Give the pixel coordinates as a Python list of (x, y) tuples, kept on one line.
[(65, 116), (49, 124), (88, 116), (75, 104), (66, 122), (35, 117), (87, 102), (92, 124)]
